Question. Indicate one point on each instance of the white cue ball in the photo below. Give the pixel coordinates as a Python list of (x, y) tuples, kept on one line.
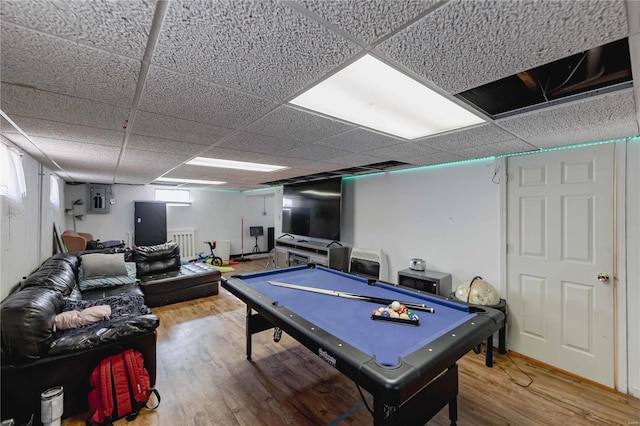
[(395, 305)]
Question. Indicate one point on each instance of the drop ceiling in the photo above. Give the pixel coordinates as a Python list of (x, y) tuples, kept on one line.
[(127, 91)]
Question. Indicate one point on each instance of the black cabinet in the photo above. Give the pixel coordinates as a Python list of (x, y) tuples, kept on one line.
[(430, 281), (150, 222)]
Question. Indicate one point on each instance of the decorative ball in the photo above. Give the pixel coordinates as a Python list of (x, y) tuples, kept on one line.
[(482, 293)]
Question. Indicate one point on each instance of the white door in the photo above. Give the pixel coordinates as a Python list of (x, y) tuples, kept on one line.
[(560, 237)]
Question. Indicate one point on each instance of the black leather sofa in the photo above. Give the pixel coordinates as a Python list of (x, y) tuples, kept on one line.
[(34, 358), (164, 280)]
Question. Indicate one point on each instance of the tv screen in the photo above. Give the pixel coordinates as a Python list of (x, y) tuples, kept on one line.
[(312, 209)]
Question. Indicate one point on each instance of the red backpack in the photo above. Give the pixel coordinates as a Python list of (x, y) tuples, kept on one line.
[(120, 387)]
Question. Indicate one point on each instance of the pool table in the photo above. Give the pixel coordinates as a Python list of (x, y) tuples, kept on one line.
[(409, 369)]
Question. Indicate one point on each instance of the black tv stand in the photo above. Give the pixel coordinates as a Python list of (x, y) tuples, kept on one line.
[(303, 241), (334, 242), (285, 235)]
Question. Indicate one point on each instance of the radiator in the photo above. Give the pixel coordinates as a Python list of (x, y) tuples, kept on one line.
[(186, 239)]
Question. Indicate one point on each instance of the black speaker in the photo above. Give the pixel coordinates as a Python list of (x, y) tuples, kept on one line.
[(256, 231), (271, 231)]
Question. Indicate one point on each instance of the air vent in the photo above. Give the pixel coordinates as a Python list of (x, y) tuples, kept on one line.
[(599, 70)]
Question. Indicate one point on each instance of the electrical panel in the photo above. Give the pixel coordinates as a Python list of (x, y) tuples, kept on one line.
[(99, 199)]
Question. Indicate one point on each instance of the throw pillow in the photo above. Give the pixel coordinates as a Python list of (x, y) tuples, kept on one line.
[(93, 283), (74, 319), (103, 265)]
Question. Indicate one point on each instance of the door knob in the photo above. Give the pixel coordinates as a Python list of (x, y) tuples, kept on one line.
[(603, 277)]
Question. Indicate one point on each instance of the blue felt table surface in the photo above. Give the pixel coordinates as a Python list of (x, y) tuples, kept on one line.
[(350, 320)]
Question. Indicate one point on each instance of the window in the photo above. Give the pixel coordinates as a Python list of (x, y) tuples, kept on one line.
[(174, 197), (12, 180), (54, 191)]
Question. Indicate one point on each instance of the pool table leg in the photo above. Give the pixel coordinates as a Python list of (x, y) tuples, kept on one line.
[(489, 356), (453, 410), (248, 332), (255, 323)]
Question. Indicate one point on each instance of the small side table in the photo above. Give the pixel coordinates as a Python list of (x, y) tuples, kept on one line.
[(502, 333)]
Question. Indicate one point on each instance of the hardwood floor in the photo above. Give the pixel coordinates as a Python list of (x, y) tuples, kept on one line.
[(205, 379)]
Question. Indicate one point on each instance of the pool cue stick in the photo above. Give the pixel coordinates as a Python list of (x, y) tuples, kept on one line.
[(410, 305)]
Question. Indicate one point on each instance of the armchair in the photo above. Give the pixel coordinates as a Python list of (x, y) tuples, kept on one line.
[(75, 241)]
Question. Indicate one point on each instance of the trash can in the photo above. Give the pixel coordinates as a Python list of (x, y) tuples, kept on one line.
[(223, 248)]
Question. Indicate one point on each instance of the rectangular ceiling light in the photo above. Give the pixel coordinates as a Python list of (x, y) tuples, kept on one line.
[(180, 180), (370, 93), (230, 164)]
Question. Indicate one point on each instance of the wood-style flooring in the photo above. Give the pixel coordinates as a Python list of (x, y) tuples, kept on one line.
[(204, 378)]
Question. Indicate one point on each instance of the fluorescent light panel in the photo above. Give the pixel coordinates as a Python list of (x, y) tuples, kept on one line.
[(238, 165), (373, 94), (180, 180)]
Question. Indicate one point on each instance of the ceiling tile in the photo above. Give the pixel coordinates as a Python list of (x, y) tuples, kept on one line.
[(435, 158), (134, 158), (466, 44), (145, 163), (92, 175), (28, 102), (70, 132), (593, 119), (251, 142), (401, 151), (359, 140), (82, 152), (120, 27), (316, 153), (49, 63), (261, 47), (494, 149), (369, 20), (147, 143), (355, 160), (284, 161), (294, 124), (177, 95), (468, 138), (161, 126)]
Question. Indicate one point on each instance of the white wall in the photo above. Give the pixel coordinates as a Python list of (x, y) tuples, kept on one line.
[(26, 235), (259, 210), (449, 216), (215, 215)]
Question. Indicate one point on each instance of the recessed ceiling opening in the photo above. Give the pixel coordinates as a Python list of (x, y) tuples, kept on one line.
[(601, 69)]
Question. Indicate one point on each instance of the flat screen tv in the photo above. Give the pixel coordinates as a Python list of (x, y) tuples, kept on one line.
[(312, 209)]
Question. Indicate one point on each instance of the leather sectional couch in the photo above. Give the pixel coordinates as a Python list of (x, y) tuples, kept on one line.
[(164, 280), (35, 358)]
